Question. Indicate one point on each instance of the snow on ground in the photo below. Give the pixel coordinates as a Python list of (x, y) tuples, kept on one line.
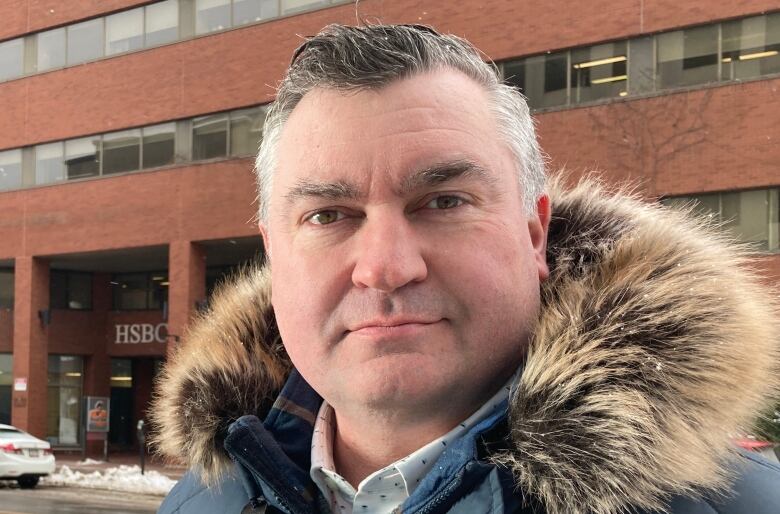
[(121, 478)]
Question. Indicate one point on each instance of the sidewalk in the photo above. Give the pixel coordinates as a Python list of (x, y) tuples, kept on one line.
[(75, 463)]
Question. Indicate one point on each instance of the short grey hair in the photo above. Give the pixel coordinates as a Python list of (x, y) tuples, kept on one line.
[(370, 57)]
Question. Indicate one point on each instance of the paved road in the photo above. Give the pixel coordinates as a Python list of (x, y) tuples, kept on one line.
[(69, 500)]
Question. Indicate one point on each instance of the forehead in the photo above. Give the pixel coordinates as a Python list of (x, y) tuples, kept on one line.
[(410, 123)]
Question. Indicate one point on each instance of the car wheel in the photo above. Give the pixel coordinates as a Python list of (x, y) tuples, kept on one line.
[(27, 482)]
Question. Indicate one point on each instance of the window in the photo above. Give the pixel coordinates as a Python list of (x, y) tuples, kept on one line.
[(246, 129), (64, 399), (6, 289), (159, 144), (85, 41), (122, 373), (51, 49), (209, 137), (296, 6), (82, 157), (11, 59), (211, 15), (49, 166), (122, 151), (599, 72), (751, 47), (140, 291), (70, 290), (687, 57), (162, 22), (6, 379), (751, 216), (545, 80), (10, 169), (250, 11), (125, 31)]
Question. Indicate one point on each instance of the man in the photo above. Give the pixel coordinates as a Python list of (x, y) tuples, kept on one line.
[(399, 349)]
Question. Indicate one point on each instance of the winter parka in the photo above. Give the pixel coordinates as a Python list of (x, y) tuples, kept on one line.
[(655, 345)]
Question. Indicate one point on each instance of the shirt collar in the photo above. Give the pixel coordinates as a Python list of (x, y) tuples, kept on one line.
[(387, 488)]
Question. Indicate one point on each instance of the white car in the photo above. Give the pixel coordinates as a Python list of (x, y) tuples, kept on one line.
[(23, 458)]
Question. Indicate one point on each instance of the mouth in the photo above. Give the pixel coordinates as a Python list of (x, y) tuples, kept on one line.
[(392, 328)]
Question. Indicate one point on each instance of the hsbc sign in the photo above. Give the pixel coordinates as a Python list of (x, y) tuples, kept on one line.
[(134, 333)]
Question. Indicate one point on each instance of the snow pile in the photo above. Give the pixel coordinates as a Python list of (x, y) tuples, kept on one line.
[(89, 462), (123, 478)]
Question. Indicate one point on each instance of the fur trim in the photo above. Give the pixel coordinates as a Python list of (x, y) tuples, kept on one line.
[(654, 344), (231, 363)]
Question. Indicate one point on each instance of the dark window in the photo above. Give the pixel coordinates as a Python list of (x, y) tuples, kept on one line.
[(140, 291), (122, 151), (70, 290), (6, 289), (159, 145), (514, 74), (599, 72), (687, 57), (6, 379), (209, 137), (82, 157), (751, 47), (545, 80)]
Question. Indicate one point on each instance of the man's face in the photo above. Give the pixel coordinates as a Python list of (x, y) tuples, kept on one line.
[(405, 274)]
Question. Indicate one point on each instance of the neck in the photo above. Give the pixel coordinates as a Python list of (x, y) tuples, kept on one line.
[(361, 448)]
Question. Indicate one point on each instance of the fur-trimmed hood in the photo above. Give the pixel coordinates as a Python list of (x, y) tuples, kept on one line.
[(655, 344)]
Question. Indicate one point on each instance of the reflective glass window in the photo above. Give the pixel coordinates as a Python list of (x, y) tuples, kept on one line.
[(82, 157), (122, 151), (545, 80), (70, 290), (751, 47), (121, 373), (294, 6), (250, 11), (211, 15), (139, 291), (514, 74), (159, 145), (6, 289), (246, 130), (125, 31), (599, 72), (64, 399), (51, 49), (751, 216), (10, 169), (49, 165), (11, 59), (209, 137), (687, 57), (6, 380), (85, 41), (162, 22)]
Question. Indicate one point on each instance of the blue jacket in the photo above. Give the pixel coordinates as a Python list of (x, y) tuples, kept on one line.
[(654, 346)]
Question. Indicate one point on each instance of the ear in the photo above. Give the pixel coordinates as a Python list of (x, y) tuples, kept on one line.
[(266, 241), (538, 223)]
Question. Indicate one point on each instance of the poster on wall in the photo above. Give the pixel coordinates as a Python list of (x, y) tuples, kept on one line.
[(97, 413)]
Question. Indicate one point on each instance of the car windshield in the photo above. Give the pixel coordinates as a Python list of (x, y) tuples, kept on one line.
[(9, 431)]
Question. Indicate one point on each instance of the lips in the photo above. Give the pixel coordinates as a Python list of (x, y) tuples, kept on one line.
[(389, 324)]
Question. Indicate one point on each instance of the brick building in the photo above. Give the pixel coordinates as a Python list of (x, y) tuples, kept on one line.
[(128, 127)]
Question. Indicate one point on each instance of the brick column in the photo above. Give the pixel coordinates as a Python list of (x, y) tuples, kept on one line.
[(187, 285), (31, 295)]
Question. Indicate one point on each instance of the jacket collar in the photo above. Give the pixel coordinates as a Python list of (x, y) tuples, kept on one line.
[(654, 343)]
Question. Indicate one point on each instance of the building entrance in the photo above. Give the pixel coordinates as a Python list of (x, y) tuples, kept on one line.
[(131, 391)]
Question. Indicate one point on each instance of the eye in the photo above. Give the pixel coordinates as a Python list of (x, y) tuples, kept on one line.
[(325, 217), (445, 202)]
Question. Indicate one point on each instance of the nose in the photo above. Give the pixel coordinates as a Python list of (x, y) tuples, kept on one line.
[(388, 254)]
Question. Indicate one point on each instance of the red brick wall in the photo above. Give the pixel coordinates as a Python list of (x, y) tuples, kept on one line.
[(198, 202), (713, 139)]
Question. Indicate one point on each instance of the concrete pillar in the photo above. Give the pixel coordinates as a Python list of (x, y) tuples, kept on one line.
[(187, 286), (31, 292)]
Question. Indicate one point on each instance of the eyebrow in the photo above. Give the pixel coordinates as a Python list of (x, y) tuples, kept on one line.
[(430, 176)]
